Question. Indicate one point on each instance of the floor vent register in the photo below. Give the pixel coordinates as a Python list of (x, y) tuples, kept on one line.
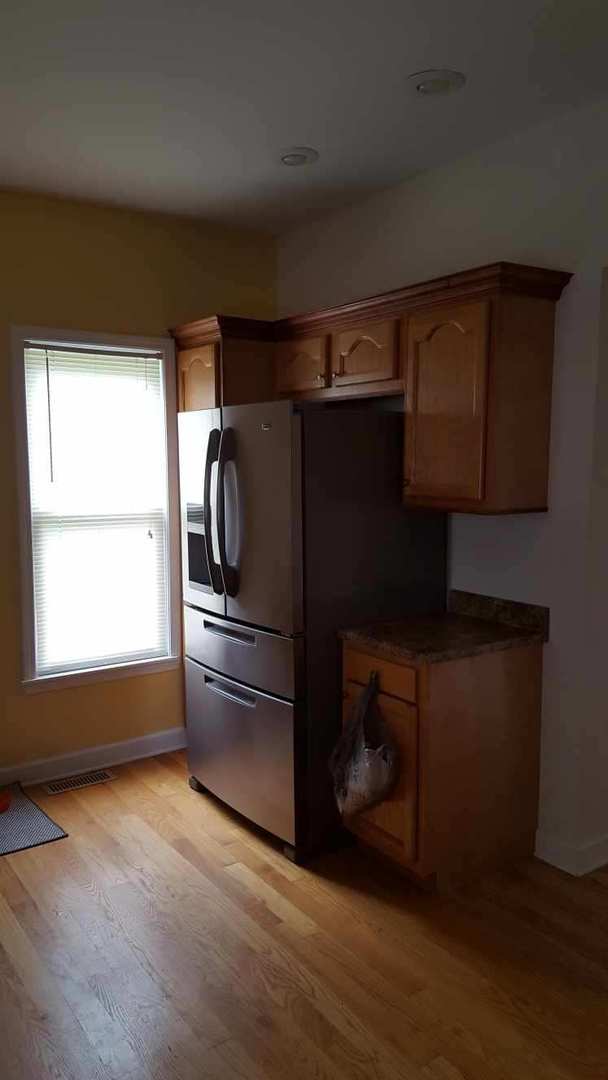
[(72, 783)]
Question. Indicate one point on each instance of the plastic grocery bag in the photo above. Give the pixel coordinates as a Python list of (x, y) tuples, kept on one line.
[(364, 763)]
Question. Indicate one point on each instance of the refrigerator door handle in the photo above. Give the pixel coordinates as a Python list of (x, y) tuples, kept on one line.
[(227, 452), (215, 570)]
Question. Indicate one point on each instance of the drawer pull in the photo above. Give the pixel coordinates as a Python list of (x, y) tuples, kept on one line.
[(238, 636), (230, 692)]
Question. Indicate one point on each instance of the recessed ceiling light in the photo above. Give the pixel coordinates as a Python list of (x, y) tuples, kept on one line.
[(299, 155), (436, 81)]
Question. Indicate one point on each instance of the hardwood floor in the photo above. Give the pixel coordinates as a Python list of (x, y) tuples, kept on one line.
[(164, 939)]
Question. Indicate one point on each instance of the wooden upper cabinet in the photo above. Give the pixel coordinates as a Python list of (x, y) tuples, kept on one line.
[(446, 398), (473, 352), (301, 364), (368, 353), (224, 360), (479, 363), (198, 377)]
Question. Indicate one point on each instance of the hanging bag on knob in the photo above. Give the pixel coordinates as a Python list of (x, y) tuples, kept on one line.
[(364, 763)]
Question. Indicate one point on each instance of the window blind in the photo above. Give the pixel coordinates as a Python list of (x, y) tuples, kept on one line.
[(99, 509)]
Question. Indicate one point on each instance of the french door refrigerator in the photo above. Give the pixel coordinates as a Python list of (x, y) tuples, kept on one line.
[(292, 528)]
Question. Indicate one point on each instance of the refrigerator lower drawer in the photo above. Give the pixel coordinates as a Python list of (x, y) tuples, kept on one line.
[(255, 657), (241, 747)]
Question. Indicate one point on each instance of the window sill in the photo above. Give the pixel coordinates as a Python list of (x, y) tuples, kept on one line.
[(43, 683)]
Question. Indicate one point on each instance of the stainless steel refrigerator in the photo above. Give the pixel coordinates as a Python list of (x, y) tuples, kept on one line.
[(292, 528)]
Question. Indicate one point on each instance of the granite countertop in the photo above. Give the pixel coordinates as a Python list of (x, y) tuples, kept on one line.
[(452, 634)]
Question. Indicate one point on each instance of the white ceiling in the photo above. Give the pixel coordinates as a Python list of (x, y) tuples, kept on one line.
[(184, 105)]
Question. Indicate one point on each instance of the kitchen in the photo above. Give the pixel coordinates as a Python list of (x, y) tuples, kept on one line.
[(466, 362), (387, 347)]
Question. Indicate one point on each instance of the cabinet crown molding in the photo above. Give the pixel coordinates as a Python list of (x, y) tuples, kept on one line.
[(500, 277), (212, 329)]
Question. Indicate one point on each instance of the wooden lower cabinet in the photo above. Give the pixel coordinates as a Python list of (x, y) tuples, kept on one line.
[(467, 796)]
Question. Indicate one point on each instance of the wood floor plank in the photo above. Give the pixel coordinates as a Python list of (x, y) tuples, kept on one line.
[(459, 982), (166, 940), (285, 911), (425, 1010), (296, 997), (220, 953), (44, 1036)]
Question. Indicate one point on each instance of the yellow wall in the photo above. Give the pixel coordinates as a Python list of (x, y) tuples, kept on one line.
[(76, 266)]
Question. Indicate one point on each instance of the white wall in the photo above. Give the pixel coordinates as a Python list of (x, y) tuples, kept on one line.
[(594, 712), (540, 198)]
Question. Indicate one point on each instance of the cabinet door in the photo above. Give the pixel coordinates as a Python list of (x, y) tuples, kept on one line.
[(445, 426), (301, 365), (368, 354), (198, 378), (391, 826)]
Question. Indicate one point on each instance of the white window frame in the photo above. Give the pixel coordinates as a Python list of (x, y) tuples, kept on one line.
[(20, 336)]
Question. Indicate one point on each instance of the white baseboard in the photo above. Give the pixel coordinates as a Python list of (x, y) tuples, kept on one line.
[(94, 757), (574, 859)]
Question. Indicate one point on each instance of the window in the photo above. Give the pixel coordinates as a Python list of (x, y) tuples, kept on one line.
[(99, 575)]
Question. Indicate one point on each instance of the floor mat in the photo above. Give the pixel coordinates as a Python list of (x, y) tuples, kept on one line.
[(25, 825)]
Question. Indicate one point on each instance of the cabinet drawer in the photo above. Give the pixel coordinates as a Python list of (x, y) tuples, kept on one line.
[(367, 354), (269, 661), (241, 747), (394, 679)]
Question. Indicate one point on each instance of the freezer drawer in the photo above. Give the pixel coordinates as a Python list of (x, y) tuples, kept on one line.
[(268, 661), (241, 747)]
